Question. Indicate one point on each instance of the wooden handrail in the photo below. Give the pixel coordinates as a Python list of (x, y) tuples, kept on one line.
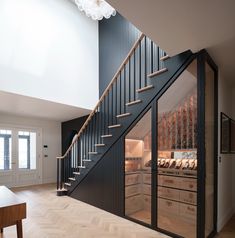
[(104, 94)]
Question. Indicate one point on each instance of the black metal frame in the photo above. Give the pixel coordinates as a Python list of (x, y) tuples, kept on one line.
[(211, 63), (229, 126), (202, 58)]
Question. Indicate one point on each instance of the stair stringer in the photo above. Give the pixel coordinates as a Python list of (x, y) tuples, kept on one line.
[(176, 65)]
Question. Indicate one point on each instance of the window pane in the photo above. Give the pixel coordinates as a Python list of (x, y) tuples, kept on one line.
[(27, 150), (5, 149), (177, 156), (138, 174), (23, 153), (2, 153)]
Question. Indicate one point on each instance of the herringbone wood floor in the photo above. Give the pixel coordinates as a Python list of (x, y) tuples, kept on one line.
[(49, 216)]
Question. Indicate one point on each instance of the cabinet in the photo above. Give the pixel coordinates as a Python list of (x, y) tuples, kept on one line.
[(177, 185)]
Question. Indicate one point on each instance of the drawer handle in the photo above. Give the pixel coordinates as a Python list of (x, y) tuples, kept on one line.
[(169, 181), (191, 209), (169, 204)]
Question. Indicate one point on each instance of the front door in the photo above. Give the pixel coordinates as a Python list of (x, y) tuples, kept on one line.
[(19, 156)]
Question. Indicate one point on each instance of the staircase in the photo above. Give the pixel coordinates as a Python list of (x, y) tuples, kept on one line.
[(145, 73)]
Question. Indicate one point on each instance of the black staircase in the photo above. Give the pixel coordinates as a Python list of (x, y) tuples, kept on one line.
[(145, 72)]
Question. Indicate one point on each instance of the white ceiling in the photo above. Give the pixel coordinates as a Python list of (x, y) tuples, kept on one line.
[(19, 105), (177, 26)]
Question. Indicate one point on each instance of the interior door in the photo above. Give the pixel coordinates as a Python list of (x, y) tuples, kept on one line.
[(20, 157)]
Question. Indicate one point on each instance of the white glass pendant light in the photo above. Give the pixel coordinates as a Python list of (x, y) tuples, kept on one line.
[(96, 9)]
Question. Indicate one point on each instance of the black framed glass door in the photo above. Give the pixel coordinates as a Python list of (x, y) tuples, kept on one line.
[(177, 156)]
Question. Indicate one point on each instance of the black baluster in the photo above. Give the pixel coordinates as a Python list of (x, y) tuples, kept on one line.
[(124, 89), (120, 93), (58, 174), (140, 65), (145, 61), (129, 79), (151, 56)]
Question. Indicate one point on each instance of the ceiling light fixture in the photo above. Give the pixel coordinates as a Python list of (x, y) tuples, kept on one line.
[(96, 9)]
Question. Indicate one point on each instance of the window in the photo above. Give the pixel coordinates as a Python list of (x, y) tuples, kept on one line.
[(27, 150), (5, 150)]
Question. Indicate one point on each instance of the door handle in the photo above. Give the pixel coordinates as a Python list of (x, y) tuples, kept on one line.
[(13, 162)]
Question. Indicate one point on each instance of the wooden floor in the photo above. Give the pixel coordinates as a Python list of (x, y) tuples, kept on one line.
[(49, 216), (229, 229)]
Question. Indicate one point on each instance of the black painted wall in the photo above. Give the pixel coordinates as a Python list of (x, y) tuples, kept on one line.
[(68, 130), (103, 185), (116, 38)]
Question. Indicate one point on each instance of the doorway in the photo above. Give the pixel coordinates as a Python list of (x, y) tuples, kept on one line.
[(20, 156)]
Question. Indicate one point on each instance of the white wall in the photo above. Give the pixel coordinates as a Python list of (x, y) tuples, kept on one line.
[(51, 136), (225, 167), (49, 50)]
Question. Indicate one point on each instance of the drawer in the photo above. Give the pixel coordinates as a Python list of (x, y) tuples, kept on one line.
[(169, 193), (147, 202), (167, 206), (188, 211), (147, 189), (133, 204), (169, 181), (147, 178), (188, 197), (188, 184), (132, 190), (132, 179)]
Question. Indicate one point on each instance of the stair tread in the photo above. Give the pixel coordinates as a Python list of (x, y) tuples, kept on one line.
[(161, 71), (76, 173), (87, 160), (62, 190), (133, 102), (99, 145), (114, 126), (105, 136), (92, 152), (164, 57), (123, 115), (72, 179), (67, 184), (81, 167), (144, 88)]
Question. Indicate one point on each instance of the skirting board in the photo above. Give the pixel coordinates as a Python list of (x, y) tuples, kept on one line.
[(49, 180), (223, 220)]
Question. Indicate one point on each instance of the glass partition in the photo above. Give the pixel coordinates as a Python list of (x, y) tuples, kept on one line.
[(138, 178), (177, 156)]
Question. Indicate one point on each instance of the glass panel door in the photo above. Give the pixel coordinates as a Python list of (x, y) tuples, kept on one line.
[(19, 164), (138, 174), (177, 156)]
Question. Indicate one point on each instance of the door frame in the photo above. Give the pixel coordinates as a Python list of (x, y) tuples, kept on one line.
[(15, 128)]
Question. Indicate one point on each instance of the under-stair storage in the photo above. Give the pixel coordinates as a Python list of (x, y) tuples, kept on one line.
[(147, 151), (138, 170)]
